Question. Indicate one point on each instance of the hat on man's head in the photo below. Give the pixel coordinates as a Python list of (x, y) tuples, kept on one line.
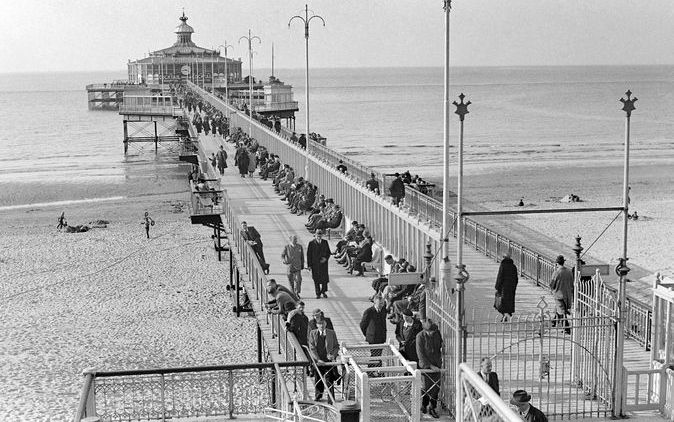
[(316, 311), (319, 231), (519, 397), (407, 312), (560, 260)]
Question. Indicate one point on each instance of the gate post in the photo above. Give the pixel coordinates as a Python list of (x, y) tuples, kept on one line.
[(575, 325)]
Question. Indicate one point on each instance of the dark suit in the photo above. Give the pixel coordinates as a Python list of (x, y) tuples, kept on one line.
[(492, 381), (407, 337), (535, 415), (373, 327), (251, 234), (319, 270)]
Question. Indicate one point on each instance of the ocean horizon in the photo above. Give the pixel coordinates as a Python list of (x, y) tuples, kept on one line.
[(387, 118)]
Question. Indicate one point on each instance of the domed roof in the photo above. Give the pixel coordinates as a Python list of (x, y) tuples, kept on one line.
[(184, 27)]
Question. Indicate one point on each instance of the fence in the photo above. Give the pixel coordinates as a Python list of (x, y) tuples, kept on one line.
[(480, 401), (385, 384), (160, 394)]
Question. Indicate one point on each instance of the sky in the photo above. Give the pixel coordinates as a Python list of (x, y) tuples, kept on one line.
[(90, 35)]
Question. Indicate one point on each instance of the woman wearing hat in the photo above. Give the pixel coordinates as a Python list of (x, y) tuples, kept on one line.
[(529, 413)]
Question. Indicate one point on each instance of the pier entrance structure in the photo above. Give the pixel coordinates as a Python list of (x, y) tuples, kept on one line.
[(550, 361)]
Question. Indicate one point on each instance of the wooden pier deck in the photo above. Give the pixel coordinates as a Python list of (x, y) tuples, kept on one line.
[(255, 201)]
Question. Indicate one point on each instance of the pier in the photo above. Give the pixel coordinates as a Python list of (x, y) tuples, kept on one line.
[(570, 375)]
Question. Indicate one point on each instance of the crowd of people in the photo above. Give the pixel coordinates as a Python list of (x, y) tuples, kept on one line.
[(402, 306)]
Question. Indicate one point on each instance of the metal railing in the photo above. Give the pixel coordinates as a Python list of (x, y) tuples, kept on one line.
[(480, 401), (420, 217), (160, 394), (287, 105), (649, 389), (208, 200), (151, 110)]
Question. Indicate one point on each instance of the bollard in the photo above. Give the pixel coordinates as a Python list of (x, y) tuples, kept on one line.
[(349, 411)]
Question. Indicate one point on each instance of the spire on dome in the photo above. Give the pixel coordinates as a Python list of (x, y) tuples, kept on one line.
[(184, 32)]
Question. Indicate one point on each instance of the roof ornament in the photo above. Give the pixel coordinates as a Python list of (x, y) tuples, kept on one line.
[(183, 17)]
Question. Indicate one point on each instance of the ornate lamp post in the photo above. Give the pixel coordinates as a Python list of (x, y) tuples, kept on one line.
[(622, 269), (444, 264), (225, 46), (462, 275), (307, 20), (250, 38)]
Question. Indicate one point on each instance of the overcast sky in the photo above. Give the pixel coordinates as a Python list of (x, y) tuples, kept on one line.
[(83, 35)]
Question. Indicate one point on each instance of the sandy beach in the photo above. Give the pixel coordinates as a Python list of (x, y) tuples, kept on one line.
[(108, 299)]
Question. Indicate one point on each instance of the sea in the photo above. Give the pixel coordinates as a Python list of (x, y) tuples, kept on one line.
[(389, 118)]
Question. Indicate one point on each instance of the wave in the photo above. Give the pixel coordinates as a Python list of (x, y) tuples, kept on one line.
[(59, 203)]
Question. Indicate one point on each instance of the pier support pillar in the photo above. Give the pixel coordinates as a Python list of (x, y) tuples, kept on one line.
[(259, 343), (156, 138), (126, 137)]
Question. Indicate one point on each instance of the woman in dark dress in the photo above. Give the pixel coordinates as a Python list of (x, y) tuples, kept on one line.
[(506, 284)]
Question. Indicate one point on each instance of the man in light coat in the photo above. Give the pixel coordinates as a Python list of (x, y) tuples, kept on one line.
[(293, 257), (562, 288)]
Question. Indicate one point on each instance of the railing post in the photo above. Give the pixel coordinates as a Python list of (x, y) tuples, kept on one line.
[(230, 391), (238, 294), (163, 398), (259, 343)]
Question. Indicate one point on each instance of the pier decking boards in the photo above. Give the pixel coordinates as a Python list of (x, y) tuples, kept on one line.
[(254, 201)]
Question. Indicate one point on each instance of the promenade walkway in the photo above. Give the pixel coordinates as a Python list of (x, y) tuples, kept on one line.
[(255, 201)]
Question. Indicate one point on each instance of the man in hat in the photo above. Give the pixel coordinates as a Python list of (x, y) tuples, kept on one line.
[(407, 329), (397, 189), (318, 253), (293, 257), (324, 348), (561, 286), (317, 314), (373, 325), (529, 413)]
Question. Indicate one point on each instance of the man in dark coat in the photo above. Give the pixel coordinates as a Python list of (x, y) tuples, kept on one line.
[(429, 351), (221, 158), (506, 284), (252, 236), (407, 329), (529, 413), (298, 324), (489, 376), (373, 325), (318, 314), (397, 189), (318, 253), (241, 159)]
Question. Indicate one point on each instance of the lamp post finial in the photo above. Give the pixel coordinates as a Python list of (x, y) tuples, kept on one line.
[(628, 103)]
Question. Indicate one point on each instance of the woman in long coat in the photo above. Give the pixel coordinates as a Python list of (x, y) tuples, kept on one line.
[(506, 284), (252, 162), (241, 159)]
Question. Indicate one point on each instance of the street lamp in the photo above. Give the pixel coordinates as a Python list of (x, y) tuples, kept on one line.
[(226, 46), (622, 269), (307, 20), (250, 39)]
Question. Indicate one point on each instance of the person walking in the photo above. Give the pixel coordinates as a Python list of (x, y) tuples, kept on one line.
[(397, 189), (561, 287), (529, 413), (252, 236), (252, 162), (324, 348), (148, 221), (221, 159), (373, 325), (241, 160), (293, 257), (214, 161), (318, 253), (506, 284), (429, 351)]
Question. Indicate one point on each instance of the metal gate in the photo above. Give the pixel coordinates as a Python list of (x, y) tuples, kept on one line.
[(569, 373)]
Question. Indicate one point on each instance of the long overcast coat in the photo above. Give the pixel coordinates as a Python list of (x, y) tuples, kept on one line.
[(506, 284)]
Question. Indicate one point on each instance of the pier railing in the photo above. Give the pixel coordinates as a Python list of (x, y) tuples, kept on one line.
[(405, 230), (171, 393)]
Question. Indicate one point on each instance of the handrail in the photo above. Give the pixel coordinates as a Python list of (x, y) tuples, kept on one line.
[(85, 396), (494, 401), (207, 368)]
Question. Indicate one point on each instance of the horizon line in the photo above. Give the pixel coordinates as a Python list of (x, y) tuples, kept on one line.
[(371, 67)]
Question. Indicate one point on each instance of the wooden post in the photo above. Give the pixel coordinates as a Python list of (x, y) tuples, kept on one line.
[(259, 343), (219, 245)]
